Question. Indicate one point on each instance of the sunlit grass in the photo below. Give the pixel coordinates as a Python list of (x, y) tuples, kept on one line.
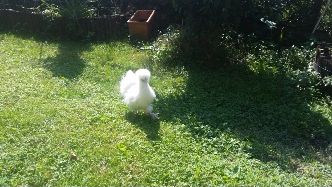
[(224, 127)]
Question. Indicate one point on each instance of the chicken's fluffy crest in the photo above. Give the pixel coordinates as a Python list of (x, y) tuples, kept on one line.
[(136, 91)]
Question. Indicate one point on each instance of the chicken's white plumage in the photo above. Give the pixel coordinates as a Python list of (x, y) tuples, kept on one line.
[(136, 91)]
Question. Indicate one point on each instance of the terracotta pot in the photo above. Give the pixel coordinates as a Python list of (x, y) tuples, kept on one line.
[(141, 23)]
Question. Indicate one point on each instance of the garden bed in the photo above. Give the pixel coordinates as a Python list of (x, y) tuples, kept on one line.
[(102, 21), (101, 26)]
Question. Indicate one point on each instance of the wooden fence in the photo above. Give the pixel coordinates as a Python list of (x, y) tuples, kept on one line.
[(104, 26), (323, 60)]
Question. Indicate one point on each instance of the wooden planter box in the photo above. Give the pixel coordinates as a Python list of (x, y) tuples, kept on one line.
[(141, 23), (323, 60)]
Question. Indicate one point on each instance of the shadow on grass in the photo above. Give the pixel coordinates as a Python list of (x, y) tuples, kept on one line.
[(67, 62), (144, 122), (267, 112)]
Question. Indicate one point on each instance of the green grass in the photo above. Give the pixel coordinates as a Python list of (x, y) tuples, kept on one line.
[(242, 125)]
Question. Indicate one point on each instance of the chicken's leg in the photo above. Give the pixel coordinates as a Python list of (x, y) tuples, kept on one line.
[(149, 111)]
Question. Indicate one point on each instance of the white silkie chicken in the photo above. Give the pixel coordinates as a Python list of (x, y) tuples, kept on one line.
[(136, 91)]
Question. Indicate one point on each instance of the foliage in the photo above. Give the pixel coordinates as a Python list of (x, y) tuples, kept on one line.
[(327, 81), (68, 11), (207, 22), (325, 23), (229, 12), (69, 8)]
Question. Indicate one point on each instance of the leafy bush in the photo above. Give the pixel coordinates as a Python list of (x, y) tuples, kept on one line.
[(71, 11), (70, 8), (294, 63), (209, 24)]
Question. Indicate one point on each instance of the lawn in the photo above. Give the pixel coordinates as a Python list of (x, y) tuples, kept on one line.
[(63, 122)]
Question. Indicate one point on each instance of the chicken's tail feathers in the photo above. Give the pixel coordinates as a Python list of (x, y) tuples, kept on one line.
[(127, 81)]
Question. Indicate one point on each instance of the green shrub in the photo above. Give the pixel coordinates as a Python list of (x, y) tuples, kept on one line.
[(70, 8)]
